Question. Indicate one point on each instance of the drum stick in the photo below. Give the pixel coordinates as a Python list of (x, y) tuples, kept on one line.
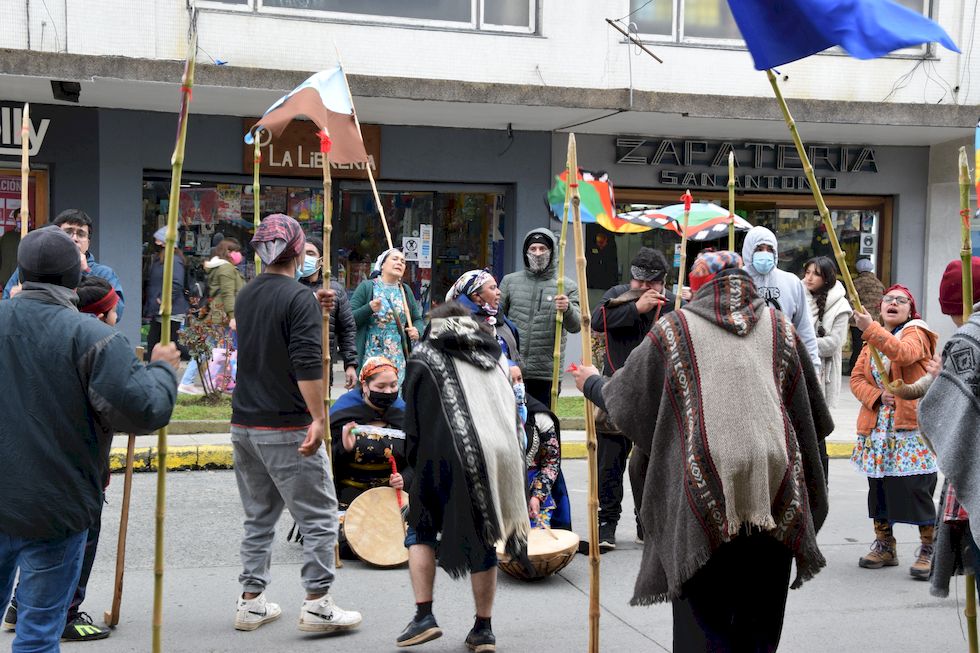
[(398, 494)]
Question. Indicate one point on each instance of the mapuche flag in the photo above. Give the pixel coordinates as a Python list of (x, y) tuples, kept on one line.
[(324, 99), (597, 203), (779, 31)]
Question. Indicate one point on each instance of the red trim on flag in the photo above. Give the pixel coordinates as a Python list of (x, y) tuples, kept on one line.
[(325, 142), (187, 89)]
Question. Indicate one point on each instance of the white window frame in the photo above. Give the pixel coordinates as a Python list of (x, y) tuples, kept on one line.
[(247, 6)]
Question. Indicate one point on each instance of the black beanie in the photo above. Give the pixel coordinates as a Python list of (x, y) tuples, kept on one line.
[(538, 238), (49, 255)]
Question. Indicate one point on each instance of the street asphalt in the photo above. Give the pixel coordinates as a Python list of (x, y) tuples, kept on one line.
[(844, 608)]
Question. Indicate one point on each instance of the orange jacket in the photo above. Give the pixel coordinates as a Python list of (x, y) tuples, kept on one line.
[(908, 354)]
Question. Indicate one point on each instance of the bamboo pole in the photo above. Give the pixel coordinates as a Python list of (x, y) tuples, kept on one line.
[(559, 315), (256, 193), (25, 168), (970, 612), (892, 386), (166, 305), (680, 273), (731, 201), (591, 443)]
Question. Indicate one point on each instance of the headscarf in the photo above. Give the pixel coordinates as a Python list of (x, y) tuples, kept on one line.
[(374, 365), (468, 283), (914, 313), (279, 238), (708, 264), (378, 262)]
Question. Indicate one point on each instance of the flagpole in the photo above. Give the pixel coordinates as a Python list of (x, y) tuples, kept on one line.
[(559, 315), (896, 387), (166, 305), (680, 273), (25, 168), (731, 201), (256, 193), (591, 443)]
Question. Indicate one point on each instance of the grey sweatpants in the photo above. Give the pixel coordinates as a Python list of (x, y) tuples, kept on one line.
[(271, 475)]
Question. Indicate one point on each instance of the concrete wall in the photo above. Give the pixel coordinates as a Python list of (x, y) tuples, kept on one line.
[(569, 30)]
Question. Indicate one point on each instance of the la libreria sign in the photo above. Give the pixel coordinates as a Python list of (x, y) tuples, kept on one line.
[(759, 165)]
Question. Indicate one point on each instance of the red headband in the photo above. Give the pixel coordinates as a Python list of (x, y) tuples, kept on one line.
[(104, 305), (913, 312)]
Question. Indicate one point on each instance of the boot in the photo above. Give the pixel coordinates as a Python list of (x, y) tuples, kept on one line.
[(882, 552), (923, 563)]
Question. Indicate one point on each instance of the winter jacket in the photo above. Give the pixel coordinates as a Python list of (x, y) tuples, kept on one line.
[(343, 330), (781, 289), (835, 314), (528, 298), (97, 269), (73, 381), (622, 327), (224, 284), (360, 304), (870, 291), (154, 289), (908, 353)]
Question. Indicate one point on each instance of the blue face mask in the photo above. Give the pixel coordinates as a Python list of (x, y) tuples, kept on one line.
[(520, 393), (763, 262), (308, 268)]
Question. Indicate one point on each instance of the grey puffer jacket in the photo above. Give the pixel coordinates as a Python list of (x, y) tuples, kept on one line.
[(528, 299)]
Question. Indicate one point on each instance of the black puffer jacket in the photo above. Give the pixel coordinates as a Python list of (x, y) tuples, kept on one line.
[(343, 330)]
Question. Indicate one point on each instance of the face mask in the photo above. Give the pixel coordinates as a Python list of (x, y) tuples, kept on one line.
[(520, 393), (309, 267), (382, 400), (236, 258), (763, 262), (538, 262)]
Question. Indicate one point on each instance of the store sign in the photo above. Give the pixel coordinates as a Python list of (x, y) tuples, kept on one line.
[(296, 153), (10, 129), (759, 165)]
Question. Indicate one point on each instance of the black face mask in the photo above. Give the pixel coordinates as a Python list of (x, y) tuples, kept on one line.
[(382, 400)]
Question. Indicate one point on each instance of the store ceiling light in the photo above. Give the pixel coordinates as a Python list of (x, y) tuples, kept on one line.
[(66, 91)]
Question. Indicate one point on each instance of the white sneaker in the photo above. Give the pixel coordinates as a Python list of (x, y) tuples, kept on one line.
[(188, 389), (323, 616), (252, 613)]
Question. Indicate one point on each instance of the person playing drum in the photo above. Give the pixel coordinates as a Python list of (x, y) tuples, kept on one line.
[(366, 425)]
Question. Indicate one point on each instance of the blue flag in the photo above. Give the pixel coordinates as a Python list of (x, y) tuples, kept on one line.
[(780, 31)]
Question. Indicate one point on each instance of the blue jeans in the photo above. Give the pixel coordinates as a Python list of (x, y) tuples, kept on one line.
[(49, 571)]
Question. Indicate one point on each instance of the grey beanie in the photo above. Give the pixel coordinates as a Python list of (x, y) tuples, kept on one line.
[(864, 265), (49, 255)]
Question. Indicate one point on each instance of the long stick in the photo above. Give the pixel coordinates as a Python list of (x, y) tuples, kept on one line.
[(560, 316), (111, 616), (166, 305), (893, 386), (256, 194), (731, 201), (591, 443), (680, 273), (970, 612), (25, 168), (633, 40)]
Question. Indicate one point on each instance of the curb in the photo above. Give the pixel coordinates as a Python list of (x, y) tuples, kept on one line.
[(219, 456)]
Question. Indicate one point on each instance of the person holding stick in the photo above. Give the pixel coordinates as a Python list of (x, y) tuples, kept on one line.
[(56, 461), (277, 431), (761, 500)]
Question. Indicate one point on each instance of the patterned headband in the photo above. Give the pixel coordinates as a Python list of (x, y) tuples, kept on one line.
[(375, 365)]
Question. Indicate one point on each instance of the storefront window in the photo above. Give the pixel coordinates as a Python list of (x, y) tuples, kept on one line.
[(443, 234)]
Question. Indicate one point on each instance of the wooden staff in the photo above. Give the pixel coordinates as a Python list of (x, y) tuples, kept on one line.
[(591, 443), (895, 387), (559, 315), (25, 168), (688, 199), (256, 194), (731, 201), (111, 616), (166, 305)]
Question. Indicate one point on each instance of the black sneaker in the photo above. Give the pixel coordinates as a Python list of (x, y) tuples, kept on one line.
[(481, 641), (10, 618), (419, 631), (607, 536), (81, 629)]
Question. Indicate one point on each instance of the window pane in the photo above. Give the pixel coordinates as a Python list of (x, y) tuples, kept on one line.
[(655, 17), (450, 10), (507, 12), (709, 19), (917, 6)]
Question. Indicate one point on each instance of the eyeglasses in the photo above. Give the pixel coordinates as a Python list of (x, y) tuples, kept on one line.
[(81, 234), (893, 299)]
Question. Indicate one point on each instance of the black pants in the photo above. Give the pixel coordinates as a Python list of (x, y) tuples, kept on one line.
[(88, 560), (856, 344), (153, 338), (613, 450), (736, 602), (540, 389)]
